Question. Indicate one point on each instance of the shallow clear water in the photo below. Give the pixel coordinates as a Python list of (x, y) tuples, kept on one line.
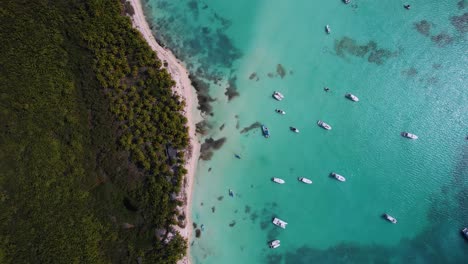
[(410, 75)]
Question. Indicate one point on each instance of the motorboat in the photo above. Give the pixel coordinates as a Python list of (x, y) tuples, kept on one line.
[(324, 125), (465, 232), (293, 129), (265, 131), (327, 29), (338, 177), (409, 135), (278, 180), (275, 243), (279, 111), (237, 156), (305, 180), (278, 96), (352, 97), (407, 7), (231, 193), (347, 1), (390, 218), (279, 222)]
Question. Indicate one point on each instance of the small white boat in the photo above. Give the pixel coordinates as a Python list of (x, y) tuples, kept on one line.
[(265, 131), (231, 193), (338, 177), (327, 29), (279, 111), (352, 97), (279, 222), (278, 180), (390, 218), (278, 96), (347, 1), (293, 129), (409, 135), (275, 243), (305, 180), (324, 125), (465, 232)]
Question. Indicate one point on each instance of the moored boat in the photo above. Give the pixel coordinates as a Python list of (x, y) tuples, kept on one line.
[(275, 243), (409, 135), (278, 96), (352, 97), (305, 180), (279, 111), (465, 232), (293, 129), (278, 180), (279, 222), (338, 177), (231, 193), (347, 1), (324, 125), (265, 131), (327, 29), (390, 218)]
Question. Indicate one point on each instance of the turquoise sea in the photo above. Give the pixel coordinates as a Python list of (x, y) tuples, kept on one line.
[(409, 69)]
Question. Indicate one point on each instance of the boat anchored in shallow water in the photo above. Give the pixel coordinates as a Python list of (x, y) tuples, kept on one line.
[(265, 131), (465, 232), (338, 177), (324, 125), (231, 193), (278, 180), (275, 243), (347, 1), (293, 129), (327, 29), (279, 222), (305, 180), (279, 111), (352, 97), (278, 96), (390, 218), (409, 135)]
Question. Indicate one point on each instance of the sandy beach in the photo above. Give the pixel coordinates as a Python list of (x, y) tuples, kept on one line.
[(183, 88)]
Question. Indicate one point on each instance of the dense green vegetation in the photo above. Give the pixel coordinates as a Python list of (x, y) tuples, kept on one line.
[(86, 114)]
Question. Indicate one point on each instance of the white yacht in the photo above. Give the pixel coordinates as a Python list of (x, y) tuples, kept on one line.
[(409, 135), (390, 218), (327, 29), (324, 125), (279, 222), (279, 111), (305, 180), (352, 97), (278, 180), (275, 243), (293, 129), (338, 177), (278, 96)]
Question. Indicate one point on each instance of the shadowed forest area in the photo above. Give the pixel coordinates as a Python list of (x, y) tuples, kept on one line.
[(87, 116)]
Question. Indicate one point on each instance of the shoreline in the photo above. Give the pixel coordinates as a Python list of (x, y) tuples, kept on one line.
[(183, 88)]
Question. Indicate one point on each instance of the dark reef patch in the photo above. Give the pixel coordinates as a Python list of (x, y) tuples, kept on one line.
[(280, 71), (375, 55), (202, 127), (204, 99), (207, 148), (197, 233), (436, 66), (254, 76), (461, 4), (264, 225), (442, 39), (460, 22), (411, 72), (252, 126), (247, 209), (423, 27), (274, 258), (253, 216), (270, 75), (193, 6), (209, 169), (231, 90), (220, 198)]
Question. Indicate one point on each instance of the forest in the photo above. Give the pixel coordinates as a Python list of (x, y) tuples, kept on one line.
[(87, 118)]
